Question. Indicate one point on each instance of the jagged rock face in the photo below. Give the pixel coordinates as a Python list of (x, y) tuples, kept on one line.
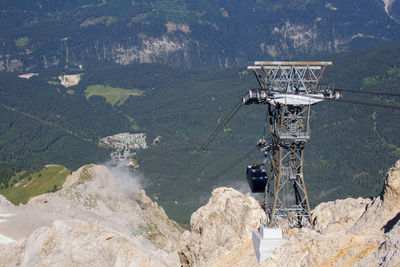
[(349, 232), (4, 201), (336, 216), (391, 191), (93, 221), (389, 250), (99, 218), (391, 8), (76, 243), (219, 227)]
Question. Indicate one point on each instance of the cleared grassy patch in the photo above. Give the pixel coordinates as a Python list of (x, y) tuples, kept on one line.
[(132, 121), (23, 186), (101, 20), (113, 95), (22, 41)]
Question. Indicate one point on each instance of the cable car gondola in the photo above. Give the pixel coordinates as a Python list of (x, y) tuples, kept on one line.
[(257, 178)]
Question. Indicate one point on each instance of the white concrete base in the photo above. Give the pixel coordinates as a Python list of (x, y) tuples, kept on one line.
[(266, 240)]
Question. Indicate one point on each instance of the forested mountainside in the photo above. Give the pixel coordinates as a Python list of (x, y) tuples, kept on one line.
[(208, 34), (351, 146)]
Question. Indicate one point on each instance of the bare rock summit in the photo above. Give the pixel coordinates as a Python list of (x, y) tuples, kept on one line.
[(348, 232), (391, 190), (221, 228), (99, 218)]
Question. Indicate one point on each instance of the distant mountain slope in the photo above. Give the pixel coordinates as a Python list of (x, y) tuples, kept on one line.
[(39, 119), (217, 34)]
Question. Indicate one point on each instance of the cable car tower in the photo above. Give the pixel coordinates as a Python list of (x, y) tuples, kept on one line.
[(289, 89)]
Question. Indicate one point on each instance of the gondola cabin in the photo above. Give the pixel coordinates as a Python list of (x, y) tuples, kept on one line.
[(257, 178)]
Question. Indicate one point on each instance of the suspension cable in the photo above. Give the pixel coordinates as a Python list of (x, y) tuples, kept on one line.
[(239, 104), (221, 126), (217, 130), (366, 92), (365, 103), (233, 164), (356, 102)]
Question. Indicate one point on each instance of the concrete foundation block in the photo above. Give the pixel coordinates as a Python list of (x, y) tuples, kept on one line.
[(266, 240)]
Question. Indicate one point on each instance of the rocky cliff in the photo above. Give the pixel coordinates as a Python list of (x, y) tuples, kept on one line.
[(349, 232), (100, 218), (221, 229)]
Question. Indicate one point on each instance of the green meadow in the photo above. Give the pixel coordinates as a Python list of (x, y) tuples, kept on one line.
[(25, 185), (113, 95)]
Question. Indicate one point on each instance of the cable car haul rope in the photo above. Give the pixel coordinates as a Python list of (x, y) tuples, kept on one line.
[(216, 131), (239, 104), (229, 116)]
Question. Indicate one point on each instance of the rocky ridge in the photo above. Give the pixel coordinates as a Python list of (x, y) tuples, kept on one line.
[(88, 223), (99, 218), (220, 227), (349, 232)]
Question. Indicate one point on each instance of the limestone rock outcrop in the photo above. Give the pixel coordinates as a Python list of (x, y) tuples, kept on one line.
[(99, 218), (391, 189), (220, 227), (4, 201), (349, 232), (339, 215), (76, 243)]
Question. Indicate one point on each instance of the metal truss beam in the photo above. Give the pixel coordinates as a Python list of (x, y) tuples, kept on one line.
[(289, 76)]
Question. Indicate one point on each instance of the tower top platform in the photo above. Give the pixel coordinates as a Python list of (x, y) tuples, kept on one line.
[(290, 77)]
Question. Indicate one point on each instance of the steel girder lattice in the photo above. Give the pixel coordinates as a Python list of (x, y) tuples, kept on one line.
[(289, 77), (289, 89), (287, 195)]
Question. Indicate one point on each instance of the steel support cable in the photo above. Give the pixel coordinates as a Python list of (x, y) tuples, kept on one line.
[(217, 130), (365, 103), (213, 135), (356, 102), (366, 92), (221, 125), (233, 164)]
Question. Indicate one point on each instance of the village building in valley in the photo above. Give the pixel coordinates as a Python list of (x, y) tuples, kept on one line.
[(124, 146)]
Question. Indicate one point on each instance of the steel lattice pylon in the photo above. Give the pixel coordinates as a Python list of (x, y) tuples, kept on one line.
[(289, 89)]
